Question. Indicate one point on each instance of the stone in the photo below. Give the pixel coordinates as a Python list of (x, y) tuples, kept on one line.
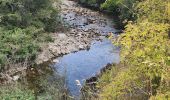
[(15, 78), (56, 61), (81, 46), (62, 35), (102, 37)]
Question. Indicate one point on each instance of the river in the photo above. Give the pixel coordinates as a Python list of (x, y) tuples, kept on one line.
[(81, 65)]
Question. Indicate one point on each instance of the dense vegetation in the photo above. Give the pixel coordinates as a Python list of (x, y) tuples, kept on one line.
[(16, 92), (23, 25), (144, 70), (121, 8), (92, 3), (36, 87)]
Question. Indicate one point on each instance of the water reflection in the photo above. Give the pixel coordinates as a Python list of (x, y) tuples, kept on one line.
[(86, 63)]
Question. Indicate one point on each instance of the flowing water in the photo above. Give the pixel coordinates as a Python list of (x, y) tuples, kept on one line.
[(84, 64)]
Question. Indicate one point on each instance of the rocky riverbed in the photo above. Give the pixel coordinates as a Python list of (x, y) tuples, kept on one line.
[(85, 26)]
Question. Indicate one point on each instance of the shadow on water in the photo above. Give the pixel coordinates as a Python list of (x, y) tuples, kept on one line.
[(45, 83)]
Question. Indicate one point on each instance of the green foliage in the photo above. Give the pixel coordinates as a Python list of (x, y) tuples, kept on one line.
[(144, 53), (110, 5), (124, 8), (92, 3), (145, 58), (133, 9), (88, 1), (18, 43), (38, 84), (154, 10), (23, 13), (23, 26), (16, 92)]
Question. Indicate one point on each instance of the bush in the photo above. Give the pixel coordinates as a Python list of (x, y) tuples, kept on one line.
[(16, 92), (144, 55), (145, 58), (26, 12), (124, 8), (92, 3), (24, 24), (154, 10)]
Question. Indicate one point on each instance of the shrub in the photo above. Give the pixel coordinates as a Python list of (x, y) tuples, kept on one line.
[(144, 67), (145, 57), (24, 24), (124, 8), (16, 92), (154, 10)]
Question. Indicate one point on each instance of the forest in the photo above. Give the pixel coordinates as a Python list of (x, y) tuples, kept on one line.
[(143, 72)]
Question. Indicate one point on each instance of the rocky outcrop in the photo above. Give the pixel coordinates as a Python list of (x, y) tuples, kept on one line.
[(63, 44)]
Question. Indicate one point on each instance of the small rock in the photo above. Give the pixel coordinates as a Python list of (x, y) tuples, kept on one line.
[(62, 35), (81, 46), (102, 37), (15, 78), (56, 61)]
